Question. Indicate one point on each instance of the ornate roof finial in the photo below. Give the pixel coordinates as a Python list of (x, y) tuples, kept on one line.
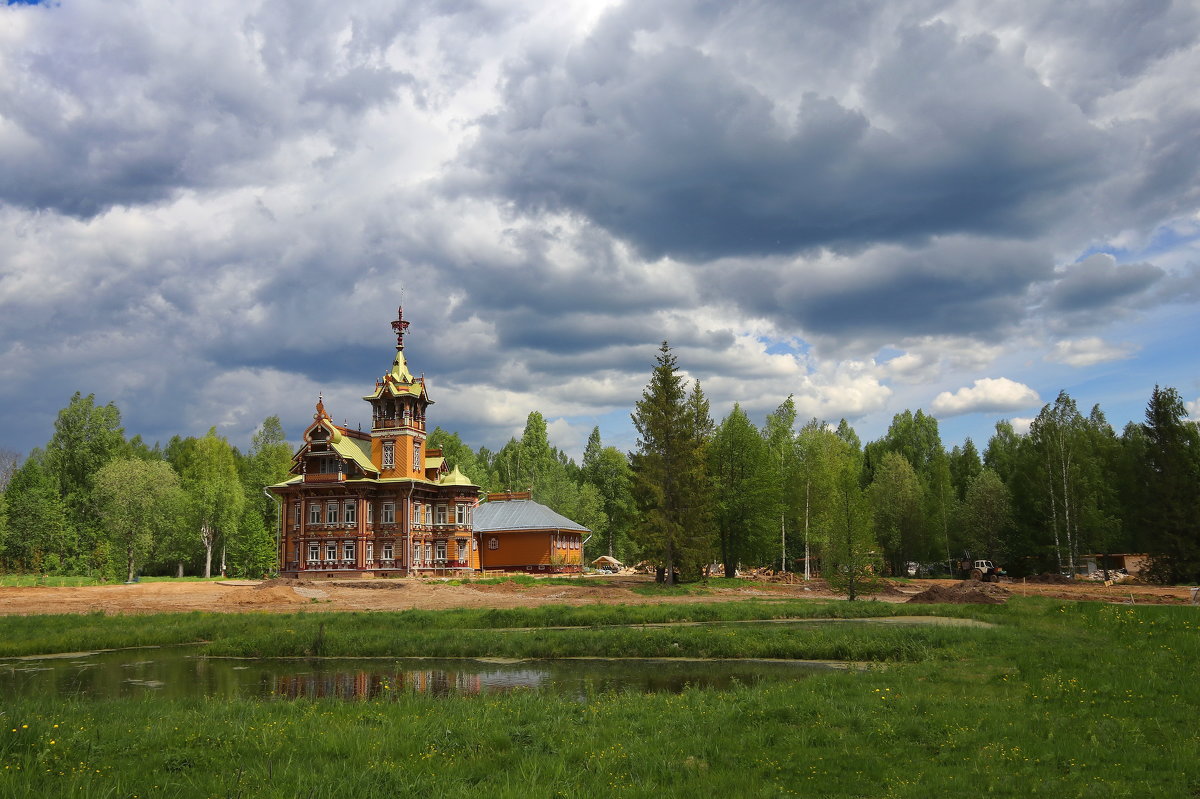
[(400, 326), (320, 414)]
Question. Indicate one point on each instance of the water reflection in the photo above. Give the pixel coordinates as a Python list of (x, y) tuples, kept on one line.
[(179, 673)]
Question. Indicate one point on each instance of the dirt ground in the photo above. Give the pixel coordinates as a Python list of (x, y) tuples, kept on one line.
[(233, 596)]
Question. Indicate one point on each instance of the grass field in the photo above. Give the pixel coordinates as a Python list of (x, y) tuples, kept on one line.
[(1058, 699)]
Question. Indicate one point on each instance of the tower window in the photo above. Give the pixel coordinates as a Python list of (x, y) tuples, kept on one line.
[(416, 456), (389, 454)]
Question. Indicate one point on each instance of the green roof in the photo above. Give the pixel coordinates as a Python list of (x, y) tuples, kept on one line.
[(456, 478)]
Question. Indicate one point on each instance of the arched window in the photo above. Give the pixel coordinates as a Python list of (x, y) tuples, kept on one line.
[(493, 543)]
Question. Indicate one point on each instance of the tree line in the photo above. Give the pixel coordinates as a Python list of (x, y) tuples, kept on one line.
[(797, 495), (91, 502), (808, 495)]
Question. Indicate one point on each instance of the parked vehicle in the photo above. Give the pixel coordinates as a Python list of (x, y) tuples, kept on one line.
[(983, 571)]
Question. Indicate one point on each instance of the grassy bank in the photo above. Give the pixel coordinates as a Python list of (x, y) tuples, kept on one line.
[(379, 633), (1060, 699)]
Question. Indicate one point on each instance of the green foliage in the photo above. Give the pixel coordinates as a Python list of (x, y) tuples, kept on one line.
[(746, 495), (896, 501), (215, 496), (784, 464), (251, 552), (86, 437), (458, 454), (965, 465), (670, 481), (136, 499), (607, 470), (36, 532), (1171, 476), (987, 516), (851, 560)]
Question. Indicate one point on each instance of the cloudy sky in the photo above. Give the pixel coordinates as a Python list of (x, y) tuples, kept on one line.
[(208, 210)]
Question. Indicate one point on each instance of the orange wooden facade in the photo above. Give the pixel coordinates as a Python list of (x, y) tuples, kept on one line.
[(512, 543), (378, 504)]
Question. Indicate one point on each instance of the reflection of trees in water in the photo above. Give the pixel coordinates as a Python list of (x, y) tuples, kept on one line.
[(373, 685)]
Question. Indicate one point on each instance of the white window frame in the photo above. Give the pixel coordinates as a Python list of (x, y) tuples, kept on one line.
[(460, 514), (348, 551), (370, 552), (493, 542), (314, 513), (296, 515), (331, 512), (388, 515), (314, 552), (440, 550), (350, 512), (386, 551), (416, 465), (370, 513), (331, 551), (416, 513), (389, 454), (441, 514)]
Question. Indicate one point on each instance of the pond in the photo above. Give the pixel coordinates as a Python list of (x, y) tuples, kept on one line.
[(178, 672)]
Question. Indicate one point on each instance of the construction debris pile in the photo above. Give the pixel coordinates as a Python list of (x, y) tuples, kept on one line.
[(967, 592)]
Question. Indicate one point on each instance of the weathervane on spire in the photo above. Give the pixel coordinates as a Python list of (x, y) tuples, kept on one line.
[(400, 326)]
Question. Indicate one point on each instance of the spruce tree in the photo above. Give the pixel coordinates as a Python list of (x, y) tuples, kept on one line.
[(669, 467), (1171, 469)]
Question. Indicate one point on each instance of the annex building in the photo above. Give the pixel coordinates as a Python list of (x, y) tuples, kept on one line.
[(382, 504)]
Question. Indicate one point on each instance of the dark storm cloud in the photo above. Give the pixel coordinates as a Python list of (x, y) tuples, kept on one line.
[(957, 286), (111, 106), (1098, 281), (668, 148)]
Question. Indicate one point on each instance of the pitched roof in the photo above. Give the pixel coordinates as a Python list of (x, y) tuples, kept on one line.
[(521, 514), (356, 450)]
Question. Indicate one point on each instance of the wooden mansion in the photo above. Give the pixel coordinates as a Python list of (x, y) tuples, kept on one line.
[(382, 504)]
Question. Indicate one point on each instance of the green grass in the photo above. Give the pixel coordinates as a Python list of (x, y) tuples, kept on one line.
[(381, 633), (1059, 699)]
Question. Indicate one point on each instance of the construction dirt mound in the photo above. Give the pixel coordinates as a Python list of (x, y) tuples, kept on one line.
[(285, 582), (964, 593), (259, 595)]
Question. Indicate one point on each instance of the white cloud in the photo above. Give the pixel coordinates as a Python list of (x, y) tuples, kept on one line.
[(987, 394), (1193, 409), (1089, 352), (1021, 424)]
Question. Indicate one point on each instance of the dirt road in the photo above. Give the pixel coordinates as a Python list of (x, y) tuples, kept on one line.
[(291, 596)]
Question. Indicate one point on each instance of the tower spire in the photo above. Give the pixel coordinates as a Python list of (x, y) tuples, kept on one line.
[(400, 327)]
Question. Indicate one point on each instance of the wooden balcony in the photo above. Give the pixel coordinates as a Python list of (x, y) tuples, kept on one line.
[(328, 477)]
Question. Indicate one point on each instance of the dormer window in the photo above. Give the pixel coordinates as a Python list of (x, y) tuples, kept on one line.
[(389, 454)]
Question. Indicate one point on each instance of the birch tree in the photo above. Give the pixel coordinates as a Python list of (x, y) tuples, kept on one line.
[(214, 492), (137, 498), (745, 498)]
